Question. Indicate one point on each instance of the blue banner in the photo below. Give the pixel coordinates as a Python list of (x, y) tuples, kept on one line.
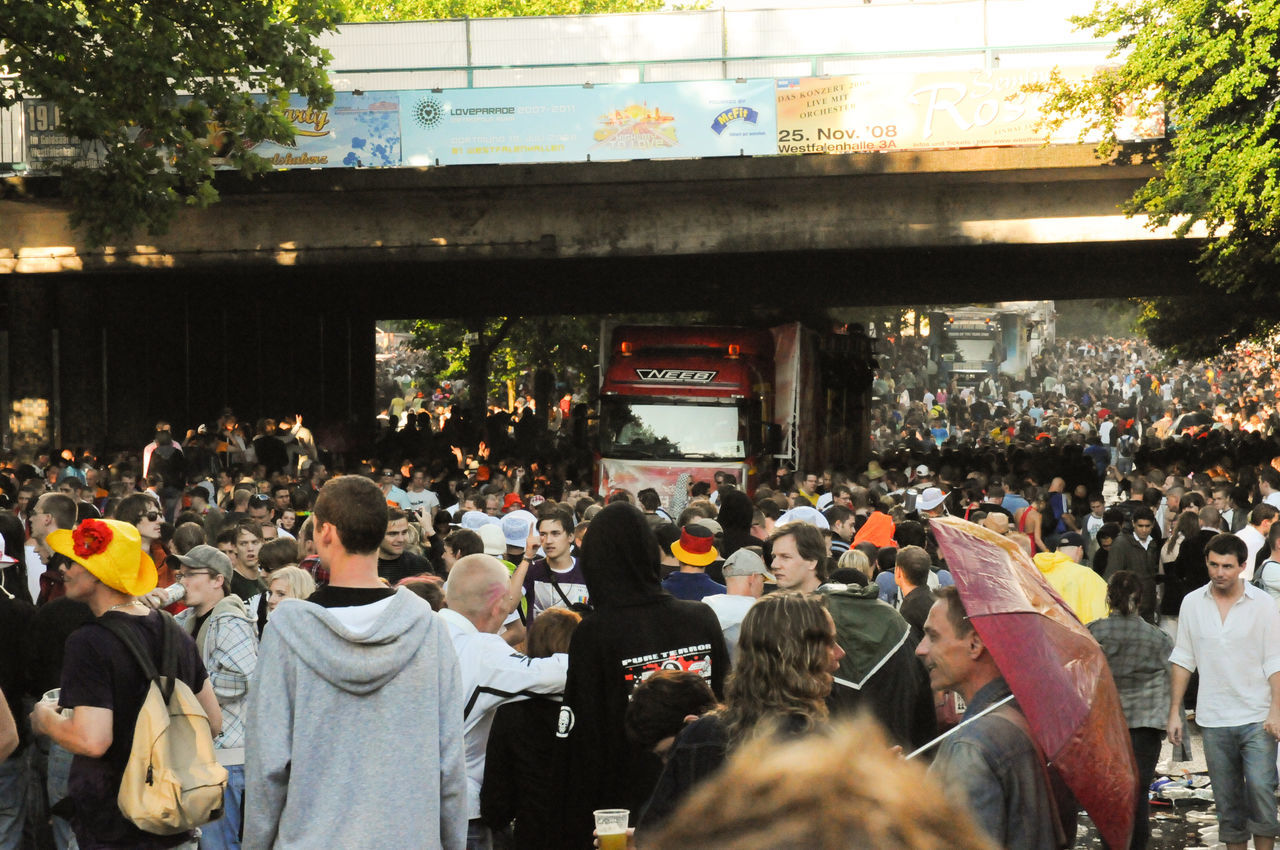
[(576, 123), (357, 131)]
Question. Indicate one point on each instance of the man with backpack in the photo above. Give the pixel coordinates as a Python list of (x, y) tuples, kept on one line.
[(105, 686), (1267, 575)]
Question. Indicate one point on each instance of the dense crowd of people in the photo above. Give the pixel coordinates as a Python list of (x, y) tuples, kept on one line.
[(563, 652)]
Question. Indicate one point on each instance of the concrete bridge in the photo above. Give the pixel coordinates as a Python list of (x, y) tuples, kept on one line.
[(266, 300)]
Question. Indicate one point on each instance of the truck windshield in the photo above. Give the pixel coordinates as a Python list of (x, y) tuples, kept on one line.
[(645, 430)]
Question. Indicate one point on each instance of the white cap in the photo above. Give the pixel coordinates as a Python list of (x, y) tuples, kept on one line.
[(804, 513), (494, 543)]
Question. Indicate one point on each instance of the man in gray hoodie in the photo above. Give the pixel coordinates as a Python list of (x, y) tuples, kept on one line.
[(355, 711)]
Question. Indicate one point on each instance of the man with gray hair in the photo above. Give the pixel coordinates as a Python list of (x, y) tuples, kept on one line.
[(480, 598)]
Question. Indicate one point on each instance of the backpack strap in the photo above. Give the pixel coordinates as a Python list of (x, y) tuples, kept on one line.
[(165, 677), (168, 656), (135, 647), (1258, 574), (556, 585)]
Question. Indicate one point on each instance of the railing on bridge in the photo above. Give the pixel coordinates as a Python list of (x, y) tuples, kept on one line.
[(867, 38)]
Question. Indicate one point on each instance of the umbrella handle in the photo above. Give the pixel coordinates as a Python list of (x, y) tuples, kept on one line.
[(954, 729)]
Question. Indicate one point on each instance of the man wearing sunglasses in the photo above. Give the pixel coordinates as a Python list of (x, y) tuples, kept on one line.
[(227, 638)]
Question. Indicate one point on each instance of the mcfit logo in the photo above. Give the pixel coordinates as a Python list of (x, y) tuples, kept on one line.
[(733, 113), (676, 376)]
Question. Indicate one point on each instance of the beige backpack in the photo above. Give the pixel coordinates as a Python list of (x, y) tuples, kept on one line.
[(173, 782)]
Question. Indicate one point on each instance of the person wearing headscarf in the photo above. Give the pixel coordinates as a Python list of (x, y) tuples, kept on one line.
[(734, 517), (635, 628)]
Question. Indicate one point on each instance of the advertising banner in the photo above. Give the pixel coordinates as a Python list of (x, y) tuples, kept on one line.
[(49, 147), (575, 123), (944, 109), (357, 131), (636, 475)]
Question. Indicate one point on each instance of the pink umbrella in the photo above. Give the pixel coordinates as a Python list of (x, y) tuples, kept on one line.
[(1056, 670)]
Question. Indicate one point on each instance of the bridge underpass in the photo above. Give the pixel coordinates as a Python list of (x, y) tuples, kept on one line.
[(265, 302)]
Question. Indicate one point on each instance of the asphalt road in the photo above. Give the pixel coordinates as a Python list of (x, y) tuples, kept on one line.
[(1184, 824)]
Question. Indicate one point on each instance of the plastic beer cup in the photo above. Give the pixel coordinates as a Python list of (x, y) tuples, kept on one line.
[(611, 828)]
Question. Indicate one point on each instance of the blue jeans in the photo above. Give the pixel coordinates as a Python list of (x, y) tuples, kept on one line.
[(13, 800), (224, 833), (1242, 768), (56, 786)]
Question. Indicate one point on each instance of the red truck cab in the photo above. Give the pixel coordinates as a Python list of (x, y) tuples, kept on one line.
[(690, 400)]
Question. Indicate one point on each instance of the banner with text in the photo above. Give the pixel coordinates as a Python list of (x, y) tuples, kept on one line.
[(944, 109), (357, 131), (573, 123), (712, 118)]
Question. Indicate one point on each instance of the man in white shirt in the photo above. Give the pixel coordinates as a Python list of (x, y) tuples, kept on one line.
[(1269, 487), (480, 598), (1105, 429), (1230, 631), (744, 577), (1254, 535), (419, 495)]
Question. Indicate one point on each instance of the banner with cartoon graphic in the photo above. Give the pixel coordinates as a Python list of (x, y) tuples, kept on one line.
[(575, 123), (357, 131)]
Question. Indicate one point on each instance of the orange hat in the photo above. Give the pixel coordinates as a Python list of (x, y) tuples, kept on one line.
[(111, 550)]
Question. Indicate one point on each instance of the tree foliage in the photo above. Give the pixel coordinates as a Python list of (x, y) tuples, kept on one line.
[(1214, 67), (508, 348), (116, 68), (491, 351), (422, 10)]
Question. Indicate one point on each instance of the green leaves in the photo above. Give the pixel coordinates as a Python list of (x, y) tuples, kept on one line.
[(1215, 68), (421, 10), (116, 69), (509, 347)]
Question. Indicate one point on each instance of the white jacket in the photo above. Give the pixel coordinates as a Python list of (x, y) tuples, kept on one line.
[(492, 674)]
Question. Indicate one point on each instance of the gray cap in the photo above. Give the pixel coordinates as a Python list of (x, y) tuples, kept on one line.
[(744, 562), (206, 557), (707, 522)]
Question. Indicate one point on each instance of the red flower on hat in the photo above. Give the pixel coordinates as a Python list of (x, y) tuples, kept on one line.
[(91, 537)]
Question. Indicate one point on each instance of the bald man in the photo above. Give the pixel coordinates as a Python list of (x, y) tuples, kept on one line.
[(999, 523), (480, 597)]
